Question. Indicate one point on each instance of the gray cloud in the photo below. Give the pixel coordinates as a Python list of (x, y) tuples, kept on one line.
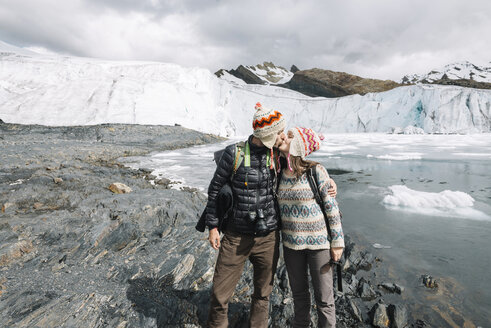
[(379, 38)]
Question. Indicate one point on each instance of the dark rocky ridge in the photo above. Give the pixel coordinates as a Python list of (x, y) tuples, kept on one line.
[(325, 83), (73, 254), (461, 83), (243, 73)]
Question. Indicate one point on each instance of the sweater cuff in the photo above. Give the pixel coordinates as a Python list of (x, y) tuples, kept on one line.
[(337, 243)]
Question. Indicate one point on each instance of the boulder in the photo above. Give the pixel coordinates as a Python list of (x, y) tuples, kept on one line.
[(429, 281), (397, 316), (351, 285), (379, 316), (391, 287), (355, 311), (365, 290), (119, 188)]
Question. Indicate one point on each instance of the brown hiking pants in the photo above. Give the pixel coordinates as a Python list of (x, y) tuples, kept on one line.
[(297, 262), (235, 249)]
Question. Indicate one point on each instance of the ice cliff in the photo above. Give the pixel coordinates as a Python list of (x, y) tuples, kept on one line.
[(50, 90)]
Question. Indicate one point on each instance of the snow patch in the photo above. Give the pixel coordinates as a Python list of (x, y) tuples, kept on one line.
[(226, 76)]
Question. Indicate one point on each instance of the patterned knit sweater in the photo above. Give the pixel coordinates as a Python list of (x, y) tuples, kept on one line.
[(303, 224)]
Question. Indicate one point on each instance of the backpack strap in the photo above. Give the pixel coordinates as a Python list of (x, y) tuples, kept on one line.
[(247, 155), (243, 153), (312, 178), (240, 153)]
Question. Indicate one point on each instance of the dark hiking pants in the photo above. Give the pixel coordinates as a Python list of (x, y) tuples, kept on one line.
[(297, 262), (235, 249)]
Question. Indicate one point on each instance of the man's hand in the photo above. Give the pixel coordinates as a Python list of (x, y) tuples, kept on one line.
[(333, 188), (214, 238), (336, 253)]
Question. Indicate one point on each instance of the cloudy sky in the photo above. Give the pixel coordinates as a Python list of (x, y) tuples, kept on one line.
[(371, 38)]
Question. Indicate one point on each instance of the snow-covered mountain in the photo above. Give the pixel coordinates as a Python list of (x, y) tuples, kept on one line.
[(265, 73), (457, 71), (81, 91), (8, 49)]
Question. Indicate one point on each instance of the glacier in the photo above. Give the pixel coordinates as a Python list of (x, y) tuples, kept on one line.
[(64, 90)]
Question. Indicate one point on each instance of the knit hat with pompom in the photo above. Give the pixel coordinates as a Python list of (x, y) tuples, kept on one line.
[(266, 124), (305, 141)]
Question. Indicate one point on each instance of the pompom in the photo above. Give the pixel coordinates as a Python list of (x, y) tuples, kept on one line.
[(321, 136), (258, 106)]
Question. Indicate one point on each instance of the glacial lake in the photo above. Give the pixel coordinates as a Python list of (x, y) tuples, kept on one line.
[(421, 203)]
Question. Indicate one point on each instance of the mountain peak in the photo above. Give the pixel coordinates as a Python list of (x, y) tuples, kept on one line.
[(265, 73), (463, 70)]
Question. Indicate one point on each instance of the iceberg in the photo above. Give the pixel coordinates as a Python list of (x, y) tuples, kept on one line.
[(446, 203)]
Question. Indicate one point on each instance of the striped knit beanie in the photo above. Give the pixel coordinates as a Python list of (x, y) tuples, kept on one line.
[(266, 124), (304, 142)]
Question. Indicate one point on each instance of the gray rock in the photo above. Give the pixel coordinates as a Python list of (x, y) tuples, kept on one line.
[(379, 316), (118, 237), (365, 290), (355, 311), (350, 287), (119, 188), (398, 316), (282, 276), (392, 287), (6, 206), (366, 261), (429, 281), (357, 259)]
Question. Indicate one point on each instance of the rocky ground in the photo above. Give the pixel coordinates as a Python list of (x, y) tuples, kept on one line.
[(75, 254)]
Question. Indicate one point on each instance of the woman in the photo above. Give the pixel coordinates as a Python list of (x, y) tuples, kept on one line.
[(304, 230)]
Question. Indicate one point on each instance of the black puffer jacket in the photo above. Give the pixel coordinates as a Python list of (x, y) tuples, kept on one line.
[(259, 193)]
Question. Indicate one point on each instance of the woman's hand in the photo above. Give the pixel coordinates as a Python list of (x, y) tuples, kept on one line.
[(336, 253), (333, 188), (214, 238)]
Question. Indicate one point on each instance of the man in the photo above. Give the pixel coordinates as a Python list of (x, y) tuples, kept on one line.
[(252, 231)]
